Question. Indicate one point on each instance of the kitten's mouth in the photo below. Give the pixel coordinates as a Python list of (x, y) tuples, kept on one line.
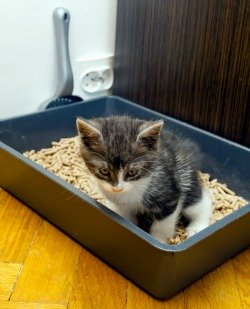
[(117, 189)]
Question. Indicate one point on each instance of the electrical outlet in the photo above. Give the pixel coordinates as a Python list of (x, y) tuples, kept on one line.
[(94, 77), (91, 81), (97, 79)]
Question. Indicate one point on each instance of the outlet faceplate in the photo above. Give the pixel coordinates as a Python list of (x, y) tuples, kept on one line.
[(95, 77), (91, 81)]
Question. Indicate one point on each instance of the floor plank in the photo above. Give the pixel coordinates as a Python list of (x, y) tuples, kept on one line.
[(241, 265), (57, 271), (49, 269), (96, 285), (138, 299), (22, 305), (18, 225), (217, 289), (8, 276)]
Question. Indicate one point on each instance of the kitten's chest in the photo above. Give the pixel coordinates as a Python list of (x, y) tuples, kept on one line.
[(132, 201), (129, 207)]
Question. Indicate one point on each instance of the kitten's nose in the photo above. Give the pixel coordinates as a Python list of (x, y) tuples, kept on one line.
[(117, 189)]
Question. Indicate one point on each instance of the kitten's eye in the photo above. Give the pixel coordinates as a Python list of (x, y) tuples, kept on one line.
[(132, 172), (104, 171)]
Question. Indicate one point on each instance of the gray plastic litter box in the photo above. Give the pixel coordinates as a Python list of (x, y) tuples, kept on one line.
[(160, 269)]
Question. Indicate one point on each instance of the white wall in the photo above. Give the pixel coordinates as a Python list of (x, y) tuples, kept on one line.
[(28, 67)]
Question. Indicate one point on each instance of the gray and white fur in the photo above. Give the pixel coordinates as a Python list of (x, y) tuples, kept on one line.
[(148, 174)]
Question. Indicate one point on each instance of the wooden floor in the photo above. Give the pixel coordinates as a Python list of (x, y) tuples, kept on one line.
[(40, 267)]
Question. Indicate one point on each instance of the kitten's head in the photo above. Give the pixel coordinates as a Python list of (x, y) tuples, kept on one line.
[(119, 151)]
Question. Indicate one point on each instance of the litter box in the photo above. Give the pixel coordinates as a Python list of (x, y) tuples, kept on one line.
[(160, 269)]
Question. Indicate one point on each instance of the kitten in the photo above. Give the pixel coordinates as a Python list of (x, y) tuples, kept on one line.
[(148, 174)]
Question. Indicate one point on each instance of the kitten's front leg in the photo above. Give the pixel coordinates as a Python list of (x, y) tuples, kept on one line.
[(165, 228), (113, 207), (123, 211), (199, 214)]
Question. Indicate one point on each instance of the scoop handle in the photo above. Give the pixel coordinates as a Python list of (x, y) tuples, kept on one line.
[(65, 84)]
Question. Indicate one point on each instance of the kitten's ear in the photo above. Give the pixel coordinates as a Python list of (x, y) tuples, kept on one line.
[(90, 136), (150, 133)]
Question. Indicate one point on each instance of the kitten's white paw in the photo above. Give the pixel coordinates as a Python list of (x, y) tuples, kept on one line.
[(193, 229), (165, 228), (161, 238), (200, 213)]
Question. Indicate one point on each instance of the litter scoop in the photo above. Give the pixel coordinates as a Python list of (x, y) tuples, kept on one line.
[(63, 94)]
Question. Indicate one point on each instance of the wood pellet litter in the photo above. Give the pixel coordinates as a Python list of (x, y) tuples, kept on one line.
[(63, 159)]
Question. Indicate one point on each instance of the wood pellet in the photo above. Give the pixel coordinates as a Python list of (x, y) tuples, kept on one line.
[(64, 160)]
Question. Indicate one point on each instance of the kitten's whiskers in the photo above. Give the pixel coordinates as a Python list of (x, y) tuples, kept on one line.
[(99, 155), (146, 169), (139, 158)]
